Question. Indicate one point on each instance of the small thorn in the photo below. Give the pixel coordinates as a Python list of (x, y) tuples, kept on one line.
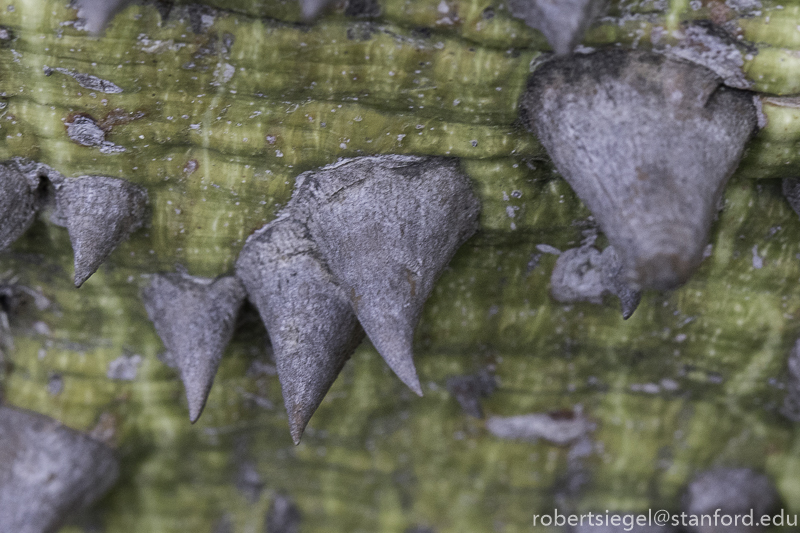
[(562, 22), (584, 274), (312, 8), (651, 170), (19, 202), (616, 283), (399, 355), (387, 227), (48, 471), (99, 213), (308, 317), (195, 318)]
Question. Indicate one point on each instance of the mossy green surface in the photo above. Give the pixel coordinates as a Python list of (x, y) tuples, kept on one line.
[(216, 123)]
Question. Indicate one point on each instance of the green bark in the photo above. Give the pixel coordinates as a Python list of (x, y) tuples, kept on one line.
[(217, 145)]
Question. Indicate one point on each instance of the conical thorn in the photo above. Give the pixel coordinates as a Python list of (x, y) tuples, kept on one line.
[(387, 227), (308, 317), (658, 139), (99, 213), (195, 318)]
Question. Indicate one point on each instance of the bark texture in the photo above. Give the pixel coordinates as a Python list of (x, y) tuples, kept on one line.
[(215, 113)]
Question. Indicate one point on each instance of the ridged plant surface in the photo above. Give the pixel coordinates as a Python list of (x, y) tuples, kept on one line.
[(217, 114)]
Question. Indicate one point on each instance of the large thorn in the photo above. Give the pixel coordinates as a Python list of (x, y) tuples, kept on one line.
[(387, 227), (48, 471), (309, 319), (99, 213), (195, 318), (562, 22), (648, 144), (19, 201)]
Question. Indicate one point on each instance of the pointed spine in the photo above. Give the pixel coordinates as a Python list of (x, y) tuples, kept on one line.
[(195, 319), (307, 315)]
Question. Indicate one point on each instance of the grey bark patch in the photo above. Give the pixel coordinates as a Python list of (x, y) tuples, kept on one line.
[(19, 202), (791, 402), (709, 46), (283, 516), (85, 131), (124, 367), (468, 391), (578, 276), (585, 274), (248, 481), (561, 428), (735, 492), (387, 227), (563, 22), (55, 384), (195, 319), (99, 213), (87, 81), (48, 471), (547, 249), (309, 319), (96, 14), (648, 144)]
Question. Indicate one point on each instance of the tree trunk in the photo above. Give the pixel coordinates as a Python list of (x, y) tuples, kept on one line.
[(220, 110)]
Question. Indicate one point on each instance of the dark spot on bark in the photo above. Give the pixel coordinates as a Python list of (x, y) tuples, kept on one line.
[(196, 13), (362, 8), (283, 516), (361, 31), (562, 414), (468, 390), (191, 167), (422, 33), (119, 116)]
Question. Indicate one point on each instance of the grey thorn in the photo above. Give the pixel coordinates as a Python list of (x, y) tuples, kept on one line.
[(387, 227), (791, 190), (563, 22), (312, 8), (48, 471), (648, 143), (195, 318), (99, 213), (735, 492), (613, 276), (19, 202), (309, 319), (96, 14)]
